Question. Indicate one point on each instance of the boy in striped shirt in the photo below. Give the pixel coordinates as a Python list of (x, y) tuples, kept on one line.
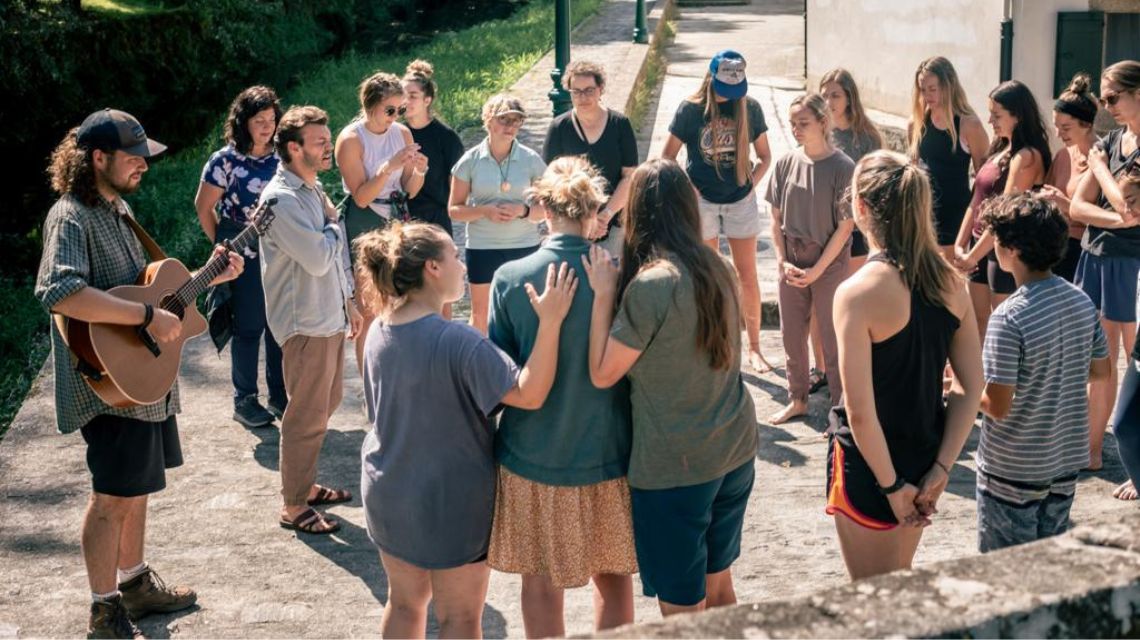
[(1043, 344)]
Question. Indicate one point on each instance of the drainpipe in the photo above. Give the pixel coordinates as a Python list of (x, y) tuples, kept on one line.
[(1007, 43)]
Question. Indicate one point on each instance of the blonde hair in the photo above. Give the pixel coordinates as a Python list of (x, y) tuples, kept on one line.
[(377, 88), (499, 103), (391, 260), (422, 73), (896, 196), (856, 114), (706, 97), (584, 68), (954, 97), (570, 188)]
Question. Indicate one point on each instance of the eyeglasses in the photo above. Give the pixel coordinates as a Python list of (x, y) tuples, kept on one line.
[(510, 120), (391, 111), (588, 92)]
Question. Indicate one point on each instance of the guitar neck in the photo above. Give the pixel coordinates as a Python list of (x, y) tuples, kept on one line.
[(193, 288)]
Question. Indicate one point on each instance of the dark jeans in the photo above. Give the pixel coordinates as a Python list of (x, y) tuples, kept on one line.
[(1001, 524), (249, 326), (1126, 422)]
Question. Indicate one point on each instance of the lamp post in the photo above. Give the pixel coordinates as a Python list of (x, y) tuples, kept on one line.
[(640, 31), (559, 96)]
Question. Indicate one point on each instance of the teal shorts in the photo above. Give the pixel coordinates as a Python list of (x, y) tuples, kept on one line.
[(683, 534)]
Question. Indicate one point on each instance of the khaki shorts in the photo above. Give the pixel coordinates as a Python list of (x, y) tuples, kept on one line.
[(735, 220)]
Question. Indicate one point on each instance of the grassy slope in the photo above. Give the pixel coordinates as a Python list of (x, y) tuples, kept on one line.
[(471, 65)]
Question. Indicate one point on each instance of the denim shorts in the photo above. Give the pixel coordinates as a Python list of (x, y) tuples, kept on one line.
[(1111, 284), (683, 534), (1003, 524), (739, 219)]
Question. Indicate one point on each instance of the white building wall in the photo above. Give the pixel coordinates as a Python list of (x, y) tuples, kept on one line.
[(881, 43)]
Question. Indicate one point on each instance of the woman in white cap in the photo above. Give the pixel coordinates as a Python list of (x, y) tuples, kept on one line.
[(718, 125), (487, 192)]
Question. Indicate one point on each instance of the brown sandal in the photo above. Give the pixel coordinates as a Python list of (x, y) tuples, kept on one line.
[(311, 522), (330, 496)]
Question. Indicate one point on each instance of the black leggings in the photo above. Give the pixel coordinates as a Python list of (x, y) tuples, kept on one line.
[(1126, 422)]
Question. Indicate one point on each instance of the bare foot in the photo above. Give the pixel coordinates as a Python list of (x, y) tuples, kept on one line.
[(794, 409), (756, 361), (1126, 491)]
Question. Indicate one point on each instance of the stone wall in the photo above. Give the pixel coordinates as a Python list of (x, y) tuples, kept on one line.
[(1084, 584)]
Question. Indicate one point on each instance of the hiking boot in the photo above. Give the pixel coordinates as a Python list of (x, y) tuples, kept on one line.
[(109, 619), (249, 412), (277, 406), (146, 593)]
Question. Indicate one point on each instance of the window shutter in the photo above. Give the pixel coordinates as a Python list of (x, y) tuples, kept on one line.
[(1080, 47)]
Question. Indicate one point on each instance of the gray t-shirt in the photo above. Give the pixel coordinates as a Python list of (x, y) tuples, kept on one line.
[(427, 467), (691, 423), (810, 194), (854, 145)]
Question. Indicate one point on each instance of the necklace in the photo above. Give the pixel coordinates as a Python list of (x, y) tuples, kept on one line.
[(505, 185)]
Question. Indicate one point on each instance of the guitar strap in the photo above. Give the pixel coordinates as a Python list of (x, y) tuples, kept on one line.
[(154, 252)]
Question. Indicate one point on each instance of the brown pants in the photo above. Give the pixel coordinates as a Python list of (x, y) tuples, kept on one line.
[(314, 380), (797, 306)]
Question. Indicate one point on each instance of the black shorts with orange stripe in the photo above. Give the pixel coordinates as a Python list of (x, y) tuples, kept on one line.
[(853, 491)]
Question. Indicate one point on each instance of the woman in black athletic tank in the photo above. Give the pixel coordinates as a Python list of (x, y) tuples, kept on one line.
[(898, 319), (945, 136)]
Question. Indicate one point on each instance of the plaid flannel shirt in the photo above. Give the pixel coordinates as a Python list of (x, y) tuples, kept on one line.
[(88, 246)]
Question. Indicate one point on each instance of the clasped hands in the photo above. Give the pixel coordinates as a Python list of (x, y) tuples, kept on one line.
[(915, 506)]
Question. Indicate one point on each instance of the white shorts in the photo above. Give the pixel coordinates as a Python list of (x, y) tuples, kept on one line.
[(735, 220)]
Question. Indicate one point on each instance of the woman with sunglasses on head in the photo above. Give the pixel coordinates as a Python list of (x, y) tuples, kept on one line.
[(1018, 159), (1073, 115), (670, 318), (488, 192), (438, 143), (231, 183), (1109, 266), (604, 136), (380, 166), (945, 136), (720, 126), (899, 319)]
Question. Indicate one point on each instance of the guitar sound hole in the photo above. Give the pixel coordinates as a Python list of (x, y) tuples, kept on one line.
[(173, 306)]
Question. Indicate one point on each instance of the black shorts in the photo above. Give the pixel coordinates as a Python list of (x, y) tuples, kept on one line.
[(990, 273), (859, 246), (482, 263), (853, 491), (129, 457)]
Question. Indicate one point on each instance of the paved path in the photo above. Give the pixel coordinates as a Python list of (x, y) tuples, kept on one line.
[(214, 527)]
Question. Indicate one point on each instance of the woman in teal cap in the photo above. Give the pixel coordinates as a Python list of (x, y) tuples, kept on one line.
[(717, 125)]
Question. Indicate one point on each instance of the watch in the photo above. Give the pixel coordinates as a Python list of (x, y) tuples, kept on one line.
[(526, 211), (900, 482)]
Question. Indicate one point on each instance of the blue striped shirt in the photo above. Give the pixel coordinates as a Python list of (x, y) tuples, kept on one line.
[(1039, 341)]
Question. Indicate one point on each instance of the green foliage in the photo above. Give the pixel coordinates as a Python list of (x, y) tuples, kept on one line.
[(23, 346)]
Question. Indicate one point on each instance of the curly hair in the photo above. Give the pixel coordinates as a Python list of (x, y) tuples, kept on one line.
[(72, 170), (246, 105), (1030, 224), (584, 68), (570, 188)]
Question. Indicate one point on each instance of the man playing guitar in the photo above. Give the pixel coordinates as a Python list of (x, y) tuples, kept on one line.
[(90, 247)]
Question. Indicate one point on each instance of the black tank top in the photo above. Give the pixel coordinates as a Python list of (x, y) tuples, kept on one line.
[(906, 373), (948, 165)]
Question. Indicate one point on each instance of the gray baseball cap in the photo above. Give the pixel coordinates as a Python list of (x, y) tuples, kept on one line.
[(114, 130)]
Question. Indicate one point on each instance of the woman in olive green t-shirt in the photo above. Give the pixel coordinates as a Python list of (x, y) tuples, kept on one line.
[(677, 335)]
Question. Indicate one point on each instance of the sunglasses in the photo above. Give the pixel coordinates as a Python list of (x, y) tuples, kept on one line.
[(392, 111), (510, 120), (1109, 99)]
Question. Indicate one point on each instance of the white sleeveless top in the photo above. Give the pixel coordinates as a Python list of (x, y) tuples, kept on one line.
[(378, 147)]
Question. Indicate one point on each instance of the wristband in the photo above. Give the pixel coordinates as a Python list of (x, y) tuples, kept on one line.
[(417, 172), (944, 467), (148, 317), (900, 482)]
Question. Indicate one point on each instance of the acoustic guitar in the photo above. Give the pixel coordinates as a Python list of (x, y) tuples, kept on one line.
[(124, 364)]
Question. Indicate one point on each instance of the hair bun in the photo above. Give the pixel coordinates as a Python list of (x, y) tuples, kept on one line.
[(420, 68), (1080, 84)]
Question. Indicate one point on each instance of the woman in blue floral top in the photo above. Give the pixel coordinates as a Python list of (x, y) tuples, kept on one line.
[(231, 185)]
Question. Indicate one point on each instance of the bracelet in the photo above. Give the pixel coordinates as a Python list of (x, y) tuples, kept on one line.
[(526, 211), (417, 172), (944, 467), (148, 317), (900, 482)]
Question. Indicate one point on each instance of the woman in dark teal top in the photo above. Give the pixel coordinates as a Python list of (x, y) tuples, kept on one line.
[(562, 510)]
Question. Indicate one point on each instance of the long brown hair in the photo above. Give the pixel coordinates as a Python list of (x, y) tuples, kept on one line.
[(861, 125), (662, 224), (953, 95), (896, 197), (72, 170), (706, 97)]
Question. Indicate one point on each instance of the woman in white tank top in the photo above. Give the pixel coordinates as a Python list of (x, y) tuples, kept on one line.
[(377, 158)]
